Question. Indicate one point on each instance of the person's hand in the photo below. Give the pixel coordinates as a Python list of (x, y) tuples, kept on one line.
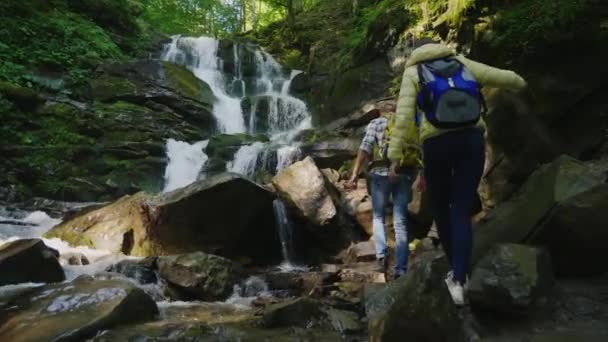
[(351, 184), (420, 183), (392, 172)]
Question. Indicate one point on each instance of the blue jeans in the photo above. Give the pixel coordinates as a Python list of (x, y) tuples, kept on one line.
[(382, 187), (453, 166)]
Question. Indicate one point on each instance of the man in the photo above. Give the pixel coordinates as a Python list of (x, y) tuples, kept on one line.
[(440, 107), (374, 148)]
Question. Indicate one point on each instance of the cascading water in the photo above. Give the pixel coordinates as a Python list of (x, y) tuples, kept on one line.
[(245, 159), (200, 56), (285, 231), (272, 110), (185, 163), (286, 155)]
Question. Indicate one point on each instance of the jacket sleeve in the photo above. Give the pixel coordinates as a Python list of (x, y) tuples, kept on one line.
[(404, 134), (493, 77)]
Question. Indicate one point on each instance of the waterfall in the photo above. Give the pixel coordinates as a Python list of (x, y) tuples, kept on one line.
[(245, 159), (185, 163), (285, 230), (200, 56), (286, 155), (267, 89)]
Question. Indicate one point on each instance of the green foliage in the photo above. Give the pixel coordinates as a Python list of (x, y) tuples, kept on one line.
[(57, 41), (439, 11), (193, 17), (531, 20), (370, 29)]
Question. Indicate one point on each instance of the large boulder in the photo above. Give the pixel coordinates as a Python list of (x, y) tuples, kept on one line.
[(198, 275), (74, 311), (417, 306), (337, 96), (157, 85), (512, 279), (332, 153), (29, 261), (199, 217), (550, 185), (575, 233), (302, 185)]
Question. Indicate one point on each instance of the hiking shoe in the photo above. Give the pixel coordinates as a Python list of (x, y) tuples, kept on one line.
[(456, 289), (381, 265), (398, 275)]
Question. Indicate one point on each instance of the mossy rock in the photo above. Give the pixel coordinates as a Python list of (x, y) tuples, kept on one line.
[(106, 88), (184, 81), (23, 98)]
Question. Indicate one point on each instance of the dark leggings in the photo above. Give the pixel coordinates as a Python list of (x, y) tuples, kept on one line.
[(453, 166)]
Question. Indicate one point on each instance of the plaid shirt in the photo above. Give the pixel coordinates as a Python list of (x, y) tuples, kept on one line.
[(374, 135)]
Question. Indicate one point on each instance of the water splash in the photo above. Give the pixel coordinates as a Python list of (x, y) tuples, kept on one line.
[(245, 159), (185, 163), (286, 156)]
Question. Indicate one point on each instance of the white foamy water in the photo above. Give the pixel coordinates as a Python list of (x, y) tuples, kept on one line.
[(32, 226), (200, 56), (286, 156), (245, 159), (185, 163)]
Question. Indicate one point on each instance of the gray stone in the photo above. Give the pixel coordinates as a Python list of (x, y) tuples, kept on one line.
[(417, 306), (74, 311), (297, 312), (344, 322), (199, 276), (512, 279)]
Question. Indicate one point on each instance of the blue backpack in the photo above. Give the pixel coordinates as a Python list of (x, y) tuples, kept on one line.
[(449, 96)]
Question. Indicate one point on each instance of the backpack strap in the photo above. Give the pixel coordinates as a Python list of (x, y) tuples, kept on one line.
[(425, 97)]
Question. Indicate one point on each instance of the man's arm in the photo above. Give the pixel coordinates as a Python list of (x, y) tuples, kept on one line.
[(364, 153), (362, 159)]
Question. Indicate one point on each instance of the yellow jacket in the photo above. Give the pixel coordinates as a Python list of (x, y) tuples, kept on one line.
[(406, 136)]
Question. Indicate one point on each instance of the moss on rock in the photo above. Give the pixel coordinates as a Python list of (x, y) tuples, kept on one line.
[(106, 88), (186, 83)]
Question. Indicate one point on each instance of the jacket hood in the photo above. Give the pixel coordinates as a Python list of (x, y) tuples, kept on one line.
[(429, 52)]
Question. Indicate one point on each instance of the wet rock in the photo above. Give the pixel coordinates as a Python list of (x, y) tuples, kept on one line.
[(365, 272), (24, 98), (513, 279), (74, 311), (550, 185), (297, 312), (170, 223), (302, 185), (75, 259), (575, 233), (198, 275), (344, 322), (29, 260), (361, 252), (300, 283), (332, 153), (144, 270), (422, 300)]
